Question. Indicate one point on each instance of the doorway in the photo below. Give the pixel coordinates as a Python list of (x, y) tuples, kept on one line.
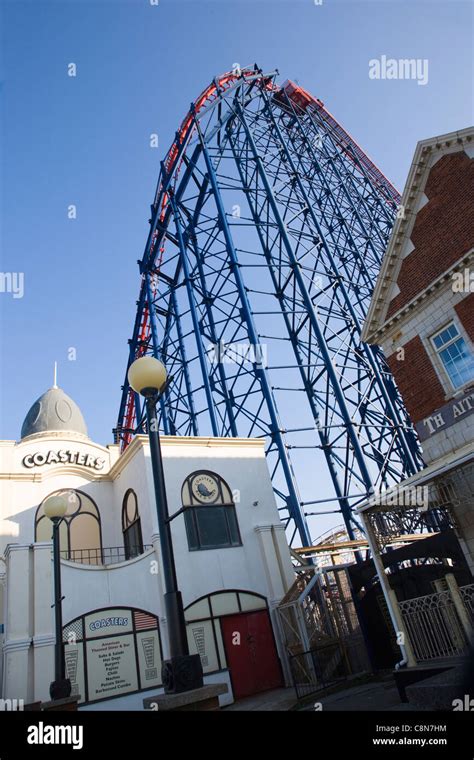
[(251, 653)]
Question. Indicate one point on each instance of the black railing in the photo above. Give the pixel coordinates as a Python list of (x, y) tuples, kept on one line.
[(107, 555), (327, 664)]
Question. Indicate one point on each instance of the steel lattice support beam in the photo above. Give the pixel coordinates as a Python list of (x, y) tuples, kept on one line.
[(268, 227)]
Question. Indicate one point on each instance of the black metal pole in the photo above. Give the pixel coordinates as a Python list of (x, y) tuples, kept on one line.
[(61, 686), (178, 641), (59, 670)]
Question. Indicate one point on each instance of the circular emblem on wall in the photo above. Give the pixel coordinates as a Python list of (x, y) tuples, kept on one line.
[(204, 488), (33, 414), (63, 410)]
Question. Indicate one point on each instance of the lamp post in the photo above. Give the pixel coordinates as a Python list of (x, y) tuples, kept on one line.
[(55, 508), (182, 672)]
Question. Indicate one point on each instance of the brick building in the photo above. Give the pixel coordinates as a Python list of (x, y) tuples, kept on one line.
[(422, 316), (422, 310)]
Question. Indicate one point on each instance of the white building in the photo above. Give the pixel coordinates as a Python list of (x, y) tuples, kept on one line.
[(232, 559)]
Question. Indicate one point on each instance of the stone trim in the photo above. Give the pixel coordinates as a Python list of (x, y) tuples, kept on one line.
[(44, 640), (140, 442), (423, 160), (420, 299), (17, 645)]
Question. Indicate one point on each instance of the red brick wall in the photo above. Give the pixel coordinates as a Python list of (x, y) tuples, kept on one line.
[(443, 229), (465, 311), (417, 380)]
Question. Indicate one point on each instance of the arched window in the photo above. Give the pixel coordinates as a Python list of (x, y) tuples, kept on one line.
[(80, 533), (209, 512), (131, 527)]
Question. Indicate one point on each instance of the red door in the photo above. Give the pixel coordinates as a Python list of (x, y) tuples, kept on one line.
[(251, 653)]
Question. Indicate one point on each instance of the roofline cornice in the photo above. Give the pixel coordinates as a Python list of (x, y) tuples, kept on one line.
[(423, 159), (420, 298)]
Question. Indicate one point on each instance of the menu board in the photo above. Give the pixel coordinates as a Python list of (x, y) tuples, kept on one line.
[(111, 667), (112, 652)]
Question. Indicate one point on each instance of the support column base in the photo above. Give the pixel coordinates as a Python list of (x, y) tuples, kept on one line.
[(68, 704), (204, 699), (181, 674)]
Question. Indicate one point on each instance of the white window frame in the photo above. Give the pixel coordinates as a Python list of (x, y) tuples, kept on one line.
[(437, 351)]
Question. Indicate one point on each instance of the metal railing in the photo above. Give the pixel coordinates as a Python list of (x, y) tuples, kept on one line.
[(467, 595), (327, 664), (107, 555), (433, 626)]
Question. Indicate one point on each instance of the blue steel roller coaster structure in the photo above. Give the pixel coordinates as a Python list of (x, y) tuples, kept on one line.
[(267, 231)]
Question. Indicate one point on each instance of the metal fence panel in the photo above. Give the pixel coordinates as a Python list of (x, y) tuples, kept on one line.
[(434, 626)]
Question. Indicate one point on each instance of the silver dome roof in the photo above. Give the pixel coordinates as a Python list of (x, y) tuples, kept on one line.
[(54, 410)]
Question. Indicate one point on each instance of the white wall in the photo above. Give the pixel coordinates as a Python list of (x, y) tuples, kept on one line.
[(261, 565), (22, 490)]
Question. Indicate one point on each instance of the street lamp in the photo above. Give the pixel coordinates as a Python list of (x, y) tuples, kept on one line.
[(55, 508), (182, 672)]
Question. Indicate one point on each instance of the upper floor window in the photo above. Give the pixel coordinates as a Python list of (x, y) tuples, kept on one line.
[(131, 526), (80, 535), (455, 355), (209, 512)]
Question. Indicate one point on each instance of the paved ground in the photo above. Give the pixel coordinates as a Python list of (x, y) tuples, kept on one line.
[(277, 700), (376, 695), (380, 694)]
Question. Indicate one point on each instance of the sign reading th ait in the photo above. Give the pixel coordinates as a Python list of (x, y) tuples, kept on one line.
[(448, 415)]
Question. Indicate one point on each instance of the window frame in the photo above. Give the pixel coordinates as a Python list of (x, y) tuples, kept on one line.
[(437, 351), (191, 508), (129, 526), (67, 520)]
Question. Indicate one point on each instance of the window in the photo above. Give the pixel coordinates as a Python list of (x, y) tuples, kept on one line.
[(209, 512), (80, 536), (455, 355), (131, 527)]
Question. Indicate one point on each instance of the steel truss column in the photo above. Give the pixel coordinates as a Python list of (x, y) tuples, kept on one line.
[(182, 350), (343, 501), (127, 393), (410, 445), (310, 310), (393, 415), (155, 349), (294, 500), (195, 320), (191, 235)]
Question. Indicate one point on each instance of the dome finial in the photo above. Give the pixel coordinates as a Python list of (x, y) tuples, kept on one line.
[(55, 376)]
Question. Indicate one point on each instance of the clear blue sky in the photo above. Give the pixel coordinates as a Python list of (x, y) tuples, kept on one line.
[(85, 141)]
